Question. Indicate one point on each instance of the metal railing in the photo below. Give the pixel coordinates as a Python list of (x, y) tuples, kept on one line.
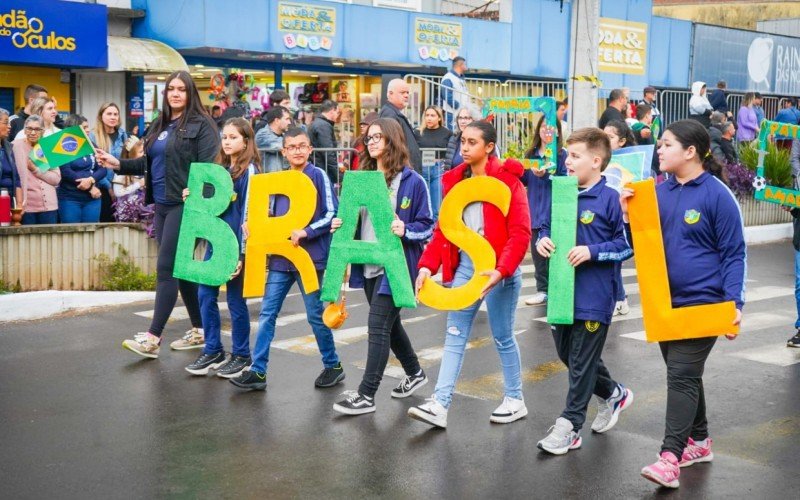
[(759, 213), (674, 104), (344, 160)]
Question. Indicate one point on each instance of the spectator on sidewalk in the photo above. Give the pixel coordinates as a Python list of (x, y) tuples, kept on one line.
[(617, 102), (464, 117), (454, 91), (358, 142), (758, 100), (719, 99), (322, 135), (9, 175), (561, 113), (722, 145), (434, 135), (397, 94), (747, 120), (699, 107), (641, 127), (269, 140), (38, 188), (45, 107), (650, 95), (108, 136), (17, 122), (789, 114)]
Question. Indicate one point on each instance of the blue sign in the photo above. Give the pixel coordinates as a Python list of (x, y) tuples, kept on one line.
[(56, 33), (137, 106)]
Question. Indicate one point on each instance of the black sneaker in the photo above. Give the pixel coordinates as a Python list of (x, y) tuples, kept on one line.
[(355, 404), (330, 376), (794, 341), (249, 379), (234, 367), (206, 362), (409, 384)]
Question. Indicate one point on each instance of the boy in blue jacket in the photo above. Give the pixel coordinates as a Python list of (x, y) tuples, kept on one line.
[(316, 240), (601, 241)]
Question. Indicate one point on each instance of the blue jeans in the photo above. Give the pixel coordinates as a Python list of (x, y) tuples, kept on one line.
[(797, 286), (74, 211), (49, 217), (433, 177), (240, 317), (501, 303), (278, 285)]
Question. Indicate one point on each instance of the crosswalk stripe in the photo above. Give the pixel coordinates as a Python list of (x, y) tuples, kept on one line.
[(490, 387)]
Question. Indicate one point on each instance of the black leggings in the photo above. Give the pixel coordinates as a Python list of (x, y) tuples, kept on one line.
[(385, 332), (167, 225), (686, 400)]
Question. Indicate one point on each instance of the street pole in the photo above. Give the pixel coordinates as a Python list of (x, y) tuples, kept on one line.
[(583, 63)]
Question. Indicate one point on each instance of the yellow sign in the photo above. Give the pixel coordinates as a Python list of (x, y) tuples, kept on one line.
[(29, 33), (437, 39), (306, 18), (623, 46)]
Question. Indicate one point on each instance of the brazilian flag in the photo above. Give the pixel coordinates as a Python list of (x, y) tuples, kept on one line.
[(63, 147), (37, 157)]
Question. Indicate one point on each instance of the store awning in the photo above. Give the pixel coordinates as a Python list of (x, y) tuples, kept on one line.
[(142, 55)]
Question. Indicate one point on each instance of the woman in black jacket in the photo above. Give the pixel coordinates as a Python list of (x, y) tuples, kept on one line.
[(182, 134)]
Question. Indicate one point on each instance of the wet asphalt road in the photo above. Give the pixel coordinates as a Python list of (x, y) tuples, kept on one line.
[(83, 418)]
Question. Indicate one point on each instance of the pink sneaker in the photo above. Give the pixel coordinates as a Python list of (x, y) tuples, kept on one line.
[(695, 454), (664, 472)]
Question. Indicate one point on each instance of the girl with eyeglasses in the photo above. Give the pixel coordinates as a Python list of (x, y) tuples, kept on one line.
[(408, 194), (39, 187)]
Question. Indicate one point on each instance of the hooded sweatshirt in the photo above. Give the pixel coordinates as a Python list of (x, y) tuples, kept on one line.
[(698, 104)]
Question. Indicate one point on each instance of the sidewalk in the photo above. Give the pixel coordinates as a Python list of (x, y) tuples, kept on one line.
[(37, 305)]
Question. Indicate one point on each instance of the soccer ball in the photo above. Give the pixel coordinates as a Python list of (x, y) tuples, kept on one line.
[(759, 183)]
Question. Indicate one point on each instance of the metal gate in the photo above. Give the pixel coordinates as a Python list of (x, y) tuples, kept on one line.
[(511, 128)]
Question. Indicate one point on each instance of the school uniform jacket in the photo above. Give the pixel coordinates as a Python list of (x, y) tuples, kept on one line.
[(414, 209), (318, 241), (600, 227)]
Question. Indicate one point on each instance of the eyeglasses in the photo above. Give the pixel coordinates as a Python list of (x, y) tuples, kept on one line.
[(4, 122), (32, 130), (300, 148), (464, 118), (373, 138)]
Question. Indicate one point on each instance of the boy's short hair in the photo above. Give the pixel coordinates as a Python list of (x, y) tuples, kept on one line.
[(295, 132), (642, 110), (277, 96), (276, 113), (595, 140)]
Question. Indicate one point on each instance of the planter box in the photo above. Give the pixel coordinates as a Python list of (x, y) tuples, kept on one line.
[(63, 256)]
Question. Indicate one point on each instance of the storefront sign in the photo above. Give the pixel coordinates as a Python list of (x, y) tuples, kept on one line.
[(306, 26), (437, 39), (63, 33), (623, 46)]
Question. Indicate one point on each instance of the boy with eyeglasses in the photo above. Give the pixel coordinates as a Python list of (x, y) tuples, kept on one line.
[(316, 240)]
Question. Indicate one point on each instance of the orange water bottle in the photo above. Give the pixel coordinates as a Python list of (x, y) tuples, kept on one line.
[(5, 208)]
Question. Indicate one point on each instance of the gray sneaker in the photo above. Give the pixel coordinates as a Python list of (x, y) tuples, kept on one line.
[(143, 346), (561, 439), (608, 410), (194, 339)]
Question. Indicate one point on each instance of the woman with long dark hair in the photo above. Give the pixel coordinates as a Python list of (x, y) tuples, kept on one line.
[(182, 134), (706, 263), (387, 153)]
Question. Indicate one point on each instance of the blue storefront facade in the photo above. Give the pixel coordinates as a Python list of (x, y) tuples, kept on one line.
[(280, 35)]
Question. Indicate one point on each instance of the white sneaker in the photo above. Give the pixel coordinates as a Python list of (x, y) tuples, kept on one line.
[(608, 410), (622, 308), (431, 412), (561, 439), (193, 339), (539, 298), (509, 410)]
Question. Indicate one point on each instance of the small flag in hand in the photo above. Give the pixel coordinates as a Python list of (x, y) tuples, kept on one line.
[(37, 157), (65, 146)]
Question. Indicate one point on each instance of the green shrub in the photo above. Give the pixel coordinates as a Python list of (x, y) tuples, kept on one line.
[(9, 288), (777, 167), (121, 274)]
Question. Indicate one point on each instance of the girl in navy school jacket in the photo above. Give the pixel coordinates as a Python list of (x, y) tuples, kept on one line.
[(239, 155), (706, 263), (539, 186), (386, 152)]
